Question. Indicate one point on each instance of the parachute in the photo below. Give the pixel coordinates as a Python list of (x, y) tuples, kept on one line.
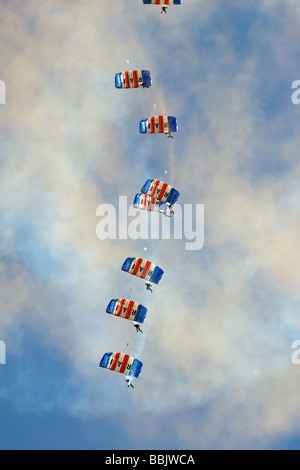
[(127, 309), (162, 2), (122, 363), (159, 124), (153, 194), (133, 79), (160, 191), (144, 269), (145, 202)]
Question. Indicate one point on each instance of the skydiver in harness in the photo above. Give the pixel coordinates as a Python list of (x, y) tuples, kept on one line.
[(163, 10), (137, 326), (144, 85), (129, 383), (170, 208), (168, 212), (165, 212), (168, 134), (148, 286)]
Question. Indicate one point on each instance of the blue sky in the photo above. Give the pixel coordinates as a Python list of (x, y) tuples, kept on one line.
[(217, 340)]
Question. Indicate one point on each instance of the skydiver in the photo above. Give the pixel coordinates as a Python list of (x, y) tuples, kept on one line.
[(137, 326), (144, 85), (168, 134), (165, 212), (163, 10), (129, 383), (148, 286), (170, 208), (168, 211)]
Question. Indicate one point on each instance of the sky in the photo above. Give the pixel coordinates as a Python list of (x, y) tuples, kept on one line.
[(216, 349)]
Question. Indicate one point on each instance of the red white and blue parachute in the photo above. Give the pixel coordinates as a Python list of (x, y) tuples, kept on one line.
[(133, 79), (161, 191), (159, 124), (144, 269), (162, 2), (122, 363), (153, 194), (128, 309), (145, 202)]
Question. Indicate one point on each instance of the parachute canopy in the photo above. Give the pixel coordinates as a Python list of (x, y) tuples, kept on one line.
[(142, 268), (162, 2), (159, 124), (127, 309), (121, 362), (145, 202), (133, 79), (161, 191)]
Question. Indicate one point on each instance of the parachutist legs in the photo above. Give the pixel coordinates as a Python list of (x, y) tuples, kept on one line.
[(148, 286), (163, 10), (137, 327), (129, 384)]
